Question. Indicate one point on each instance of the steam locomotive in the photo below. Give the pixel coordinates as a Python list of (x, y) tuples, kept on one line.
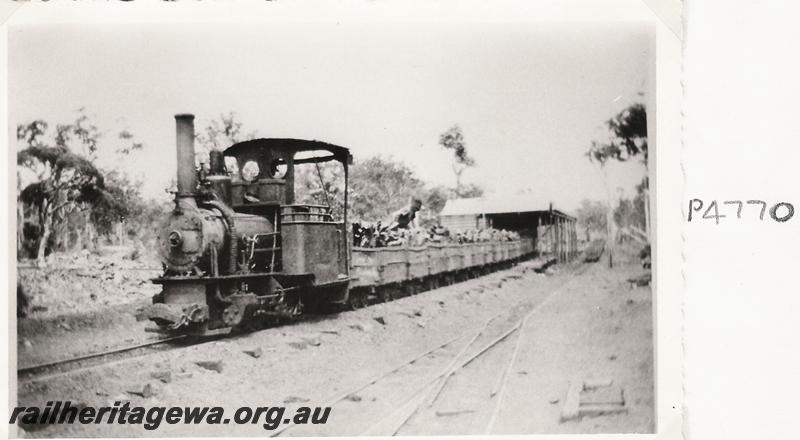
[(237, 248)]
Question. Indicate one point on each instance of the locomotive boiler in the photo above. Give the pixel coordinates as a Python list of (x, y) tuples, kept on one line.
[(236, 246)]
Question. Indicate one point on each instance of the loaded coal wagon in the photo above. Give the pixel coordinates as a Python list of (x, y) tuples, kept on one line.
[(391, 271)]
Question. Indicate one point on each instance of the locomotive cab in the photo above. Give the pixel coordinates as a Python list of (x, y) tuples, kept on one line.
[(311, 226), (252, 234)]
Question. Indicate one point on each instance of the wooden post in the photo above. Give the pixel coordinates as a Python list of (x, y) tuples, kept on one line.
[(558, 239), (538, 242), (553, 226), (555, 237), (561, 240), (564, 240), (572, 239), (577, 251), (549, 222), (559, 221), (569, 239)]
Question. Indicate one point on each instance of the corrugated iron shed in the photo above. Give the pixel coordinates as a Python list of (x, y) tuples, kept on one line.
[(527, 214), (499, 205)]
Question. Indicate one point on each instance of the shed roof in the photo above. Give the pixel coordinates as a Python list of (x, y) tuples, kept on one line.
[(499, 205)]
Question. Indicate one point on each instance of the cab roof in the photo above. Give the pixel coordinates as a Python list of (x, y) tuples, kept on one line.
[(341, 154)]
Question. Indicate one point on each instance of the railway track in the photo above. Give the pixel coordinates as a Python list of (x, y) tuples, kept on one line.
[(497, 392), (61, 367), (431, 390), (424, 402), (480, 341)]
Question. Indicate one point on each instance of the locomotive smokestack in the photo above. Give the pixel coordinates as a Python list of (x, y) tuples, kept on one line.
[(187, 177)]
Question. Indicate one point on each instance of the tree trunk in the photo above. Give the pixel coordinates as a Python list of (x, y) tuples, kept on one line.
[(647, 211), (20, 226), (91, 236), (609, 220), (120, 234), (20, 219), (47, 221), (78, 244), (610, 229)]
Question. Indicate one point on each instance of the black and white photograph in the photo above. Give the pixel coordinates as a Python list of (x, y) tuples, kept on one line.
[(335, 227)]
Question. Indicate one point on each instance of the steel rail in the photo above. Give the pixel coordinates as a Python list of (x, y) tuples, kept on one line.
[(448, 372), (342, 396), (500, 393), (36, 371), (444, 373), (421, 396)]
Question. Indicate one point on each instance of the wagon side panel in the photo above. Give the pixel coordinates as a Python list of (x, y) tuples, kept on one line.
[(454, 256), (418, 262), (364, 267), (393, 264), (438, 258)]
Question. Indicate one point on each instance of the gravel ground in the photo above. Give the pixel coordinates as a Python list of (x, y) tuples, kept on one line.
[(608, 331), (43, 340), (589, 321), (84, 282)]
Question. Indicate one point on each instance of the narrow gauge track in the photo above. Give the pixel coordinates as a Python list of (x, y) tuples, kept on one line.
[(392, 424), (62, 367), (51, 369), (58, 368), (424, 396)]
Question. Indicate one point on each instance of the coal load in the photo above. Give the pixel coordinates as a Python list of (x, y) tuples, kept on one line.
[(376, 235)]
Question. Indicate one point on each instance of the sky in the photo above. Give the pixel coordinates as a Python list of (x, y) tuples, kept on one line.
[(529, 97)]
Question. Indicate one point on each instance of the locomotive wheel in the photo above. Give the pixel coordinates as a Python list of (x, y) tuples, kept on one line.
[(357, 300), (363, 299), (352, 301), (232, 315), (385, 294)]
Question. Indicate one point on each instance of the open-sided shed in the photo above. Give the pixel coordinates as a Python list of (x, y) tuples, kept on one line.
[(553, 229)]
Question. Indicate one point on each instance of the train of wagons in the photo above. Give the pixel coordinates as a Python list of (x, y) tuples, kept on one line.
[(237, 248)]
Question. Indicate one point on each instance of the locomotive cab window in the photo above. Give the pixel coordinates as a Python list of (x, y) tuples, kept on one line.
[(250, 171), (232, 166), (278, 169), (319, 182)]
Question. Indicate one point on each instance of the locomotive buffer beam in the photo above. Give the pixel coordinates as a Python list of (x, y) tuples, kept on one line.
[(176, 315)]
